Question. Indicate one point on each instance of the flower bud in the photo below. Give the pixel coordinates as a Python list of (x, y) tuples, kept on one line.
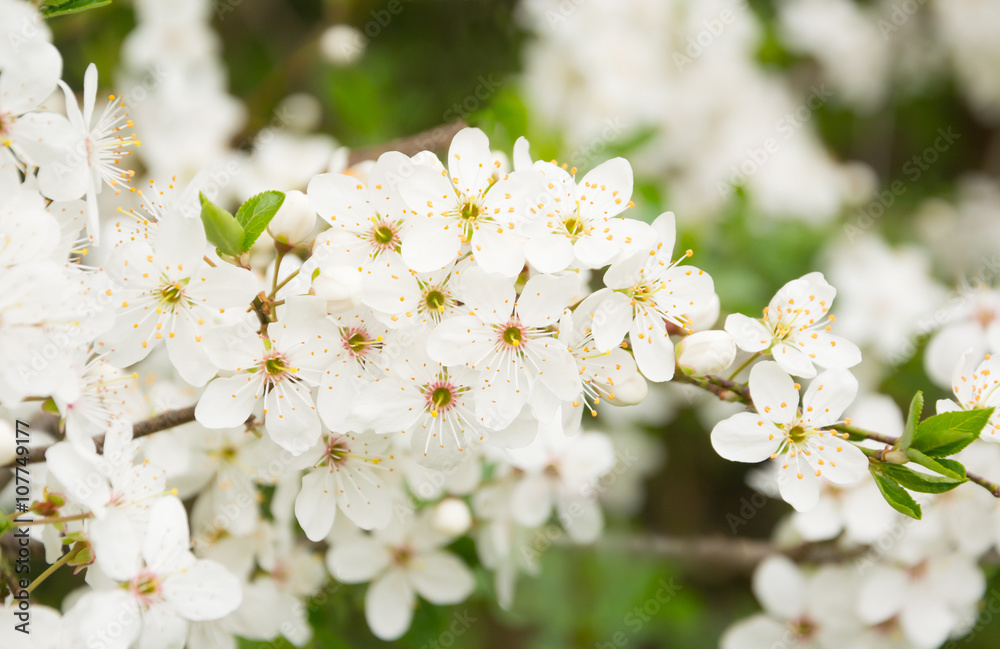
[(629, 392), (294, 221), (451, 517), (340, 287), (706, 352)]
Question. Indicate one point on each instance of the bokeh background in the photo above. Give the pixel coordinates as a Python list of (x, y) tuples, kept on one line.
[(857, 138)]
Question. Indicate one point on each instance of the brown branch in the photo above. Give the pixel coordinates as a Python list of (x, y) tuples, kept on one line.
[(989, 485), (434, 139), (725, 389), (729, 553), (162, 421)]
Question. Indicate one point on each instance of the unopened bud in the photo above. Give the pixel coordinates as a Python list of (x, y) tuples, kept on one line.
[(451, 517), (706, 352), (340, 287), (294, 221), (895, 456), (629, 392)]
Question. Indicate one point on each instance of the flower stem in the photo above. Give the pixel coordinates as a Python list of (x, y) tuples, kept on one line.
[(280, 285), (277, 268), (48, 571), (742, 367), (55, 519), (989, 485)]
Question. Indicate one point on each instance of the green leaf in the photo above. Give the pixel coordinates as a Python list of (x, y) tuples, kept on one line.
[(5, 523), (950, 468), (256, 213), (922, 482), (63, 7), (897, 497), (49, 405), (949, 432), (912, 420), (221, 228)]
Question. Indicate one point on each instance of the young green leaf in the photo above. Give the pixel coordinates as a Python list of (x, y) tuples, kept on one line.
[(948, 468), (912, 420), (221, 228), (897, 497), (948, 433), (63, 7), (256, 213), (922, 482)]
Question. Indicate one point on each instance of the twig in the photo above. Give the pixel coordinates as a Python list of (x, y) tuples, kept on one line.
[(729, 553), (433, 139), (989, 485), (725, 389), (162, 421)]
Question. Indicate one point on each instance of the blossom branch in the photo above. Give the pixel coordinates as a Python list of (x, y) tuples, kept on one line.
[(162, 421), (724, 389), (730, 553), (728, 390), (431, 140)]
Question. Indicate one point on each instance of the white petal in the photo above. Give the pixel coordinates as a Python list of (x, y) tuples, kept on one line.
[(544, 298), (316, 504), (652, 347), (461, 340), (431, 244), (203, 591), (490, 295), (828, 396), (750, 335), (798, 482), (470, 161), (365, 497), (606, 189), (746, 437), (843, 463), (756, 632), (290, 417), (531, 501), (162, 628), (228, 401), (612, 319), (358, 560), (165, 547), (549, 253), (773, 392), (389, 605), (498, 250), (81, 479), (779, 587), (115, 545), (440, 578), (793, 360)]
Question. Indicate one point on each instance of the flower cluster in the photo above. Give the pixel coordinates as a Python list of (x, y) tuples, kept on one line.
[(347, 376)]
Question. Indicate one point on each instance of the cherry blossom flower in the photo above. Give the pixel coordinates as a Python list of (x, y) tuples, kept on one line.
[(803, 611), (92, 156), (156, 601), (400, 562), (465, 206), (508, 341), (976, 386), (170, 293), (578, 225), (346, 473), (281, 368), (801, 439), (646, 293), (795, 329)]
